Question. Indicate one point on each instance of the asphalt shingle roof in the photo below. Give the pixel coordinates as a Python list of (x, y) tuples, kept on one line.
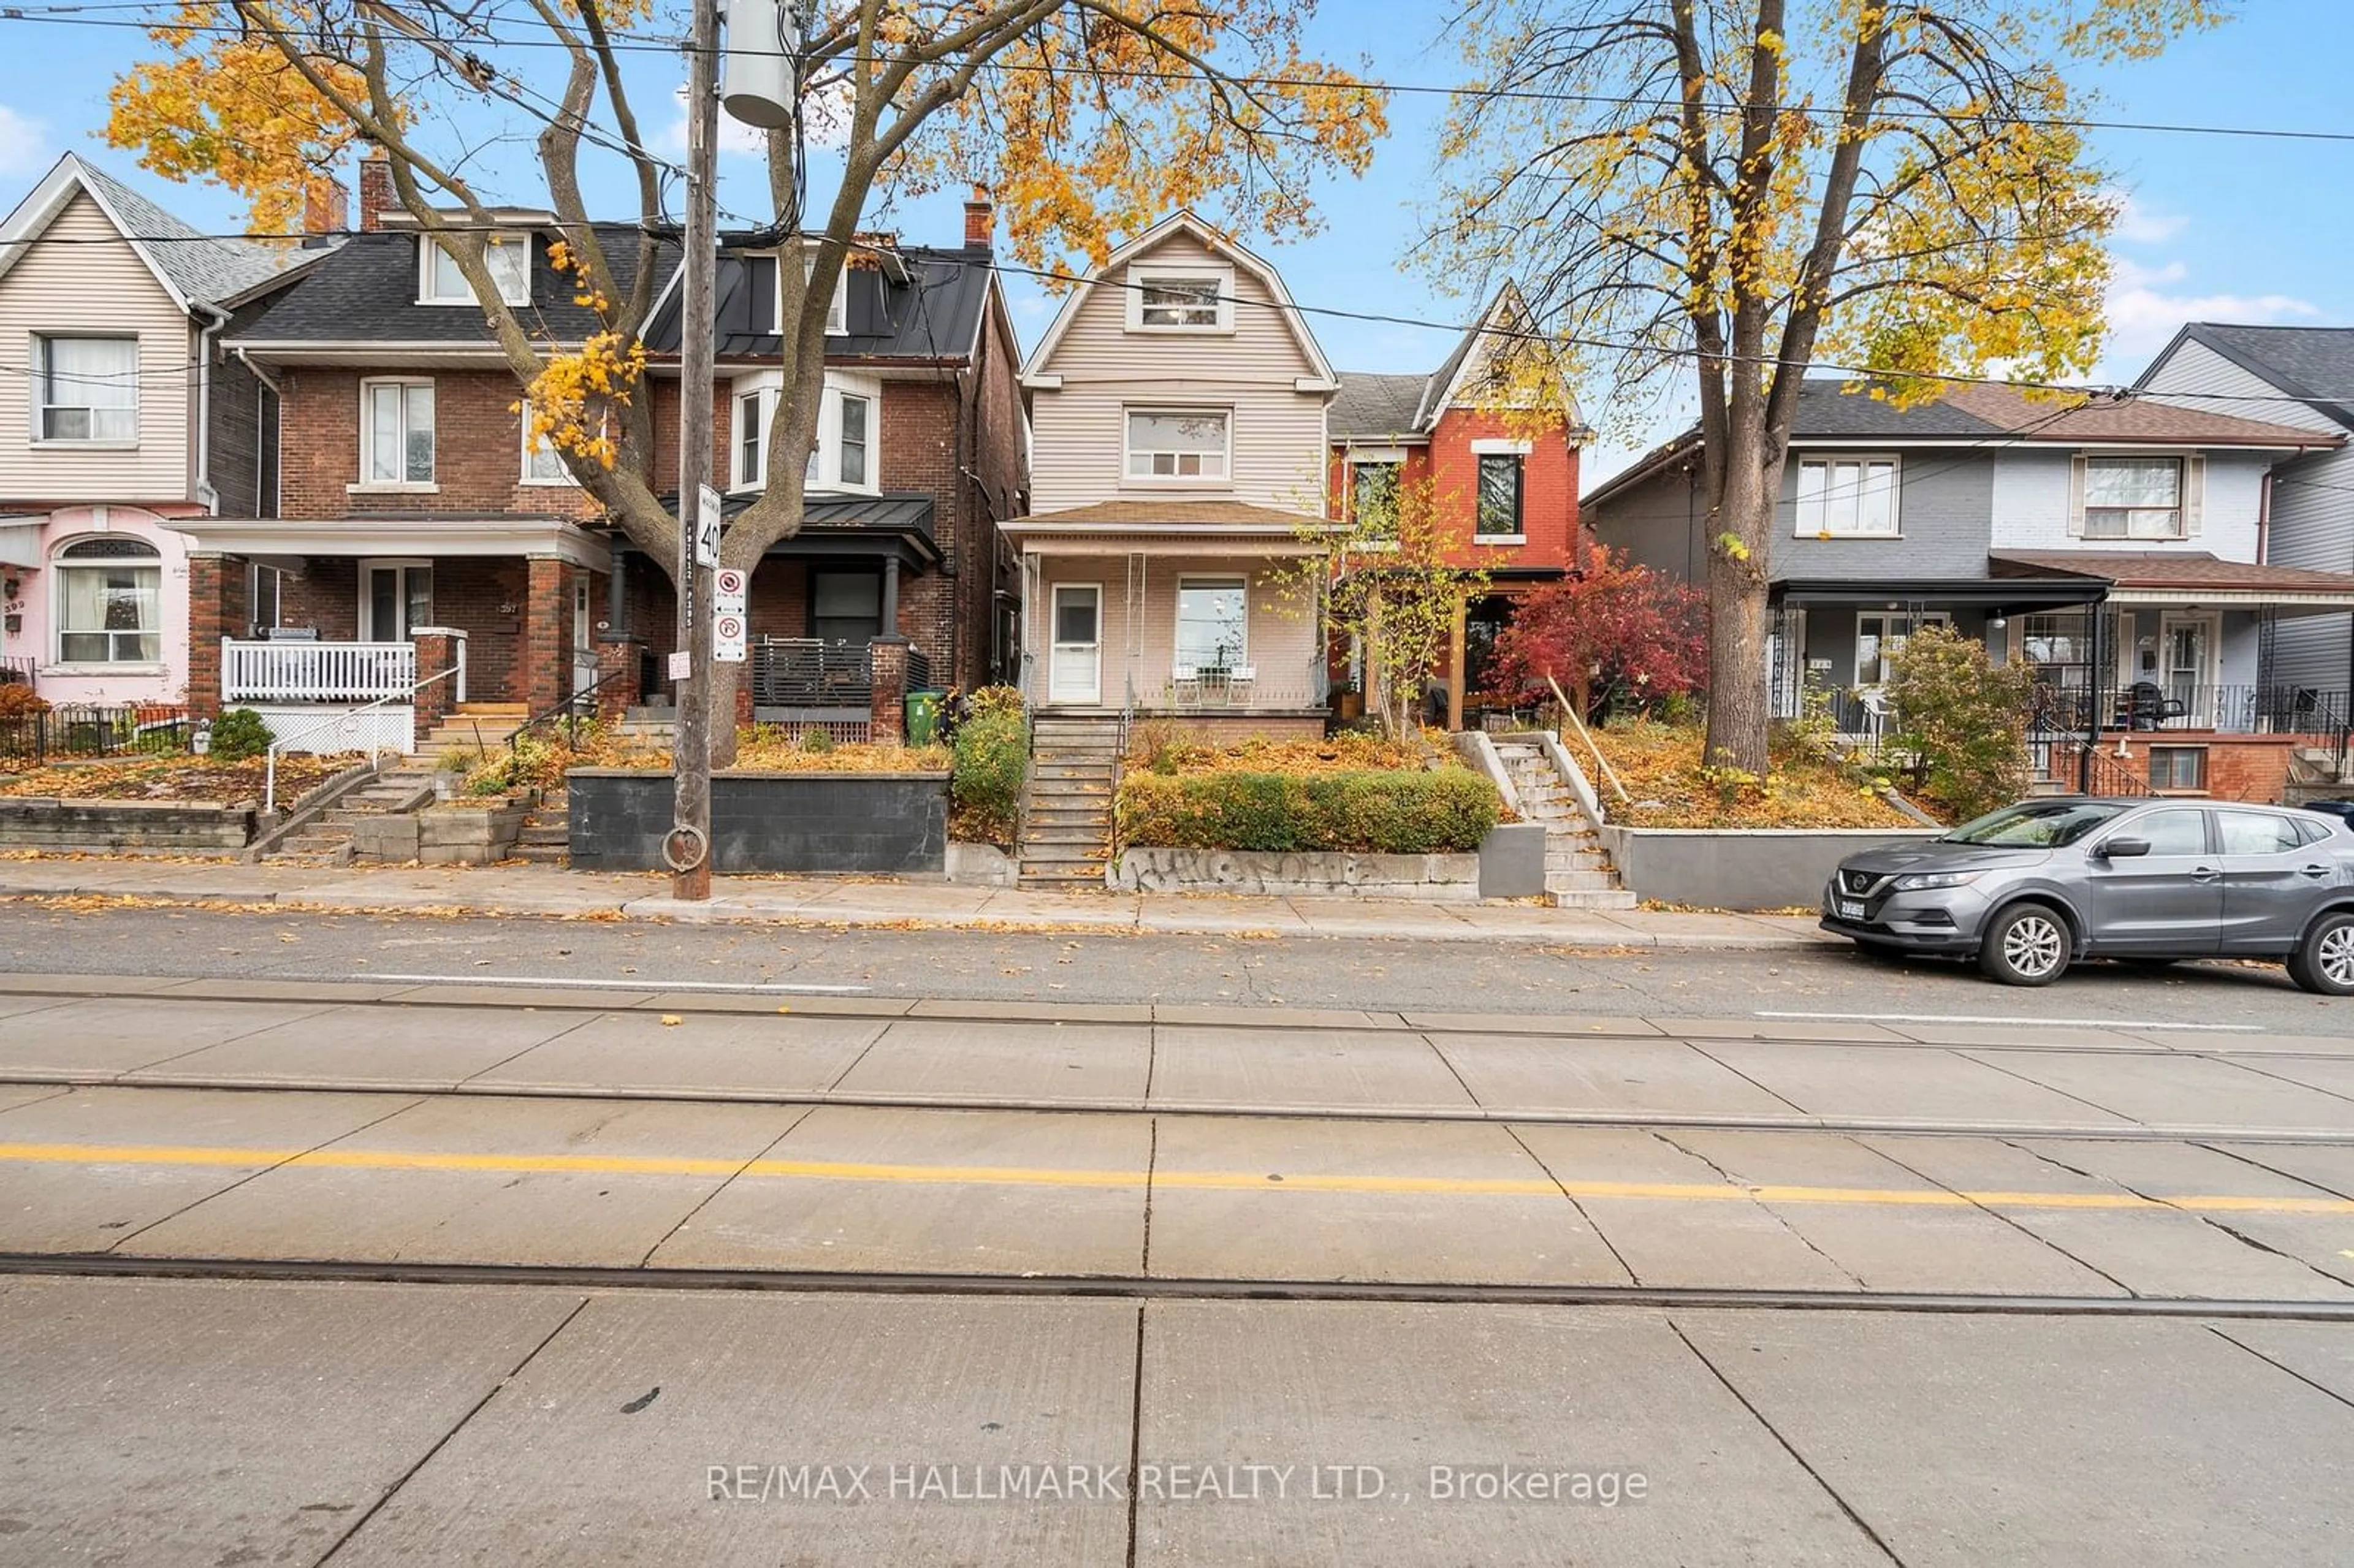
[(364, 291), (1143, 513), (1368, 407), (201, 267), (2175, 569)]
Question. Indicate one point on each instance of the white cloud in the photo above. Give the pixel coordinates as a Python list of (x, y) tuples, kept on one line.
[(2145, 313), (2140, 225), (736, 138), (24, 143)]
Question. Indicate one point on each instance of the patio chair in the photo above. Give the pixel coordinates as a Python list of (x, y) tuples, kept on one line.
[(2146, 706)]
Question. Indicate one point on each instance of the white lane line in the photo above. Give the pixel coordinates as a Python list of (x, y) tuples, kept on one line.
[(1994, 1018), (552, 983)]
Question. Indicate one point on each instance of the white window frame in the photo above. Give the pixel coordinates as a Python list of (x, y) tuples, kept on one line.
[(1367, 456), (837, 309), (1177, 618), (839, 446), (1127, 416), (824, 471), (1141, 274), (1487, 447), (532, 446), (1943, 618), (62, 568), (366, 483), (512, 290), (2183, 479), (370, 564), (1802, 527), (41, 406)]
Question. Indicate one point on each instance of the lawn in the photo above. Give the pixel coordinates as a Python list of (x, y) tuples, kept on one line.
[(201, 778), (1661, 766)]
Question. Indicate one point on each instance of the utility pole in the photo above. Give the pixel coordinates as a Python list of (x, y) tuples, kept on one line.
[(688, 848)]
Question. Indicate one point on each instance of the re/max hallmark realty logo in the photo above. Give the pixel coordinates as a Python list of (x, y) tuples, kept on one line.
[(1166, 1483)]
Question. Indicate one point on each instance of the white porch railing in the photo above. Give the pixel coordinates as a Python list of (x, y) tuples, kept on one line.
[(315, 672)]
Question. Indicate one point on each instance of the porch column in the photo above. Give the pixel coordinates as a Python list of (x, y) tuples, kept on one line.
[(617, 671), (891, 596), (1454, 666), (617, 597), (887, 714), (547, 636), (212, 617)]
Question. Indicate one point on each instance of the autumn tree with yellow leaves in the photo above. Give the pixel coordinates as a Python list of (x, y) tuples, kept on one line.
[(1085, 120), (1732, 189)]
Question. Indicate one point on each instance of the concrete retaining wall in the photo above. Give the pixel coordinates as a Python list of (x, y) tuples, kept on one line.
[(983, 865), (30, 822), (1751, 868), (877, 823), (441, 835), (1445, 878)]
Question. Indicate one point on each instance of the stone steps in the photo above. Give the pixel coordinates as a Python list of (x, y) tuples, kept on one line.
[(1578, 873), (1066, 804)]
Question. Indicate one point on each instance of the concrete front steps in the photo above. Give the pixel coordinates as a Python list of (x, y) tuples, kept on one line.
[(326, 840), (470, 725), (1578, 874), (1066, 803), (548, 833)]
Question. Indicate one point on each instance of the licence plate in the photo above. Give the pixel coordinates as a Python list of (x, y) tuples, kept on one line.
[(1850, 909)]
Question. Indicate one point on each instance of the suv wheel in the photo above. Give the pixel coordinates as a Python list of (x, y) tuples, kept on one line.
[(2324, 961), (2027, 945)]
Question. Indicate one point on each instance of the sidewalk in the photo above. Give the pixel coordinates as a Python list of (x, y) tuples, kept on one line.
[(829, 901)]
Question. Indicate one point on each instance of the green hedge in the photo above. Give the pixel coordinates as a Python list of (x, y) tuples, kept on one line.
[(1376, 812), (993, 754)]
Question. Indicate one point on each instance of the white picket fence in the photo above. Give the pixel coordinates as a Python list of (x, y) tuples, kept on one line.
[(315, 672)]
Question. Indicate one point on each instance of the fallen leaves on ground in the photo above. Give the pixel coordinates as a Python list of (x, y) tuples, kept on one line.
[(1168, 746), (1661, 766), (191, 779)]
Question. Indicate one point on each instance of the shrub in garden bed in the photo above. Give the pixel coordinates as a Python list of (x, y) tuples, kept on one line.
[(991, 757), (1388, 811)]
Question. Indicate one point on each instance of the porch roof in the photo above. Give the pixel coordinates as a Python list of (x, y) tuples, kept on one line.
[(2186, 577), (1178, 526), (838, 524), (2019, 592), (396, 536)]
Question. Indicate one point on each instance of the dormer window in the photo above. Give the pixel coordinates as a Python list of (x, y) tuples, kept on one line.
[(1181, 299), (508, 256)]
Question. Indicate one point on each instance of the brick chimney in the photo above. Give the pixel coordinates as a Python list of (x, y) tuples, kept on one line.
[(326, 207), (375, 189), (979, 220)]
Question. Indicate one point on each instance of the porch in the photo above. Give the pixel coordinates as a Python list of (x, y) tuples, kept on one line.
[(1217, 624)]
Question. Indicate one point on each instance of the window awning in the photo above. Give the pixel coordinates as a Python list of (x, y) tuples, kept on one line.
[(20, 541)]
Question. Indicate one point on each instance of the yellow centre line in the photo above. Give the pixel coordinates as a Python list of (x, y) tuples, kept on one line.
[(1207, 1180)]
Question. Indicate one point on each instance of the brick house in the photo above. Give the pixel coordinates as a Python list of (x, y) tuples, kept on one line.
[(1501, 470), (127, 418), (408, 525), (919, 453)]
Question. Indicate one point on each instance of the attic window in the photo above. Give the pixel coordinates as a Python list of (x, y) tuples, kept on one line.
[(1181, 299), (508, 256), (767, 296)]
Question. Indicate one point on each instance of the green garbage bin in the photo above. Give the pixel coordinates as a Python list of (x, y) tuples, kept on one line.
[(923, 717)]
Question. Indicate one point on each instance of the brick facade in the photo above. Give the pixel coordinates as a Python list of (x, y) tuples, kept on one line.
[(1549, 475), (2252, 768), (477, 449)]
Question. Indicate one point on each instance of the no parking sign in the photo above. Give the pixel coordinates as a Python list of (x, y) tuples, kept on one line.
[(728, 618)]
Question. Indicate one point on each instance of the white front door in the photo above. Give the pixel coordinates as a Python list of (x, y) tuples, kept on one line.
[(2186, 667), (1074, 665), (584, 648)]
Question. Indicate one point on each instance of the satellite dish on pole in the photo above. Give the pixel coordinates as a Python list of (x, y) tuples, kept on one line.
[(756, 86)]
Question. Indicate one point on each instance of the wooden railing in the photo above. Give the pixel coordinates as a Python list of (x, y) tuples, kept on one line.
[(316, 672)]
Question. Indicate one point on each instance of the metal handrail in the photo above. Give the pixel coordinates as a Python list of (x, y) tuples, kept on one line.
[(568, 710), (270, 776)]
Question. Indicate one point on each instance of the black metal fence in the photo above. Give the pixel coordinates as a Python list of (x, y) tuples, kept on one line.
[(16, 672), (803, 673), (83, 730)]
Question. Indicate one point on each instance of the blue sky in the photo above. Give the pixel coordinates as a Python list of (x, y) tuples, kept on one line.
[(2238, 228)]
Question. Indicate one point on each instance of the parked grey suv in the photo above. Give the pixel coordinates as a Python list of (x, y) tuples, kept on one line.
[(2033, 887)]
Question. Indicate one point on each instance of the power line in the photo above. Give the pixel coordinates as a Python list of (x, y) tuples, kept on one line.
[(1067, 279), (76, 15)]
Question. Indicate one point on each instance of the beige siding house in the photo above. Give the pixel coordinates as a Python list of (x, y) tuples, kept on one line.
[(110, 309), (1177, 410)]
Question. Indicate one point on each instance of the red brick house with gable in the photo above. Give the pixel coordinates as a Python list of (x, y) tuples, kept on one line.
[(409, 524), (1503, 470)]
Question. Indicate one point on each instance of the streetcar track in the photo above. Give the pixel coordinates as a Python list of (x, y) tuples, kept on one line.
[(1141, 1287), (1525, 1115)]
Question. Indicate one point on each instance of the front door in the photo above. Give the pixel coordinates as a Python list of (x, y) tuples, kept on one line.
[(1075, 666), (2167, 901), (395, 598), (584, 648), (2186, 668)]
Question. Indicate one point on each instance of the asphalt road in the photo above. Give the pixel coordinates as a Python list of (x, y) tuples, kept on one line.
[(969, 964)]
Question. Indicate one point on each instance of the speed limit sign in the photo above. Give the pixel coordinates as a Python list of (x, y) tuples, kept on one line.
[(727, 637)]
